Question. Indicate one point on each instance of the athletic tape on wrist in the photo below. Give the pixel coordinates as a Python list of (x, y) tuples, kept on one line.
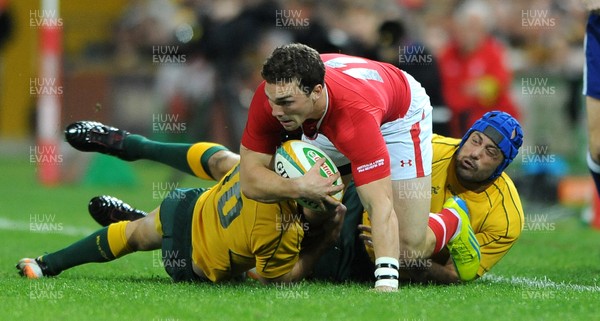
[(386, 273), (386, 261), (387, 282)]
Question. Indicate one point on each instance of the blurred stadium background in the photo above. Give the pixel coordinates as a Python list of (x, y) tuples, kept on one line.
[(185, 70)]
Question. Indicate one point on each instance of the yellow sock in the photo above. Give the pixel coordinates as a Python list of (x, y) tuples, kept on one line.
[(198, 155), (117, 241)]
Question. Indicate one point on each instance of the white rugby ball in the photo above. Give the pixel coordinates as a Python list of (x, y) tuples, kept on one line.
[(295, 157)]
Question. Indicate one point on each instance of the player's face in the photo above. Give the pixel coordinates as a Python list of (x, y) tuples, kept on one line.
[(477, 159), (289, 103)]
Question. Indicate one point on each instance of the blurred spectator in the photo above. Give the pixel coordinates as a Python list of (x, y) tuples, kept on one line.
[(168, 40), (315, 33), (397, 48), (475, 77), (231, 38), (233, 43)]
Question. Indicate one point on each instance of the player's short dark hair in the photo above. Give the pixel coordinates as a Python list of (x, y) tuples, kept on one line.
[(295, 62)]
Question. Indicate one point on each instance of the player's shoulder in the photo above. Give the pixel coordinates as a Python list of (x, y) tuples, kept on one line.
[(337, 61), (505, 183), (443, 140), (328, 56), (341, 58), (443, 147)]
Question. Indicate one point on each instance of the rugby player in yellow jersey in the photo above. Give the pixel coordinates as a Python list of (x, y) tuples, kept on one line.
[(206, 234), (472, 168), (478, 174)]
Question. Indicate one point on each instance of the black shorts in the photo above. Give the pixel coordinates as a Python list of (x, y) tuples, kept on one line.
[(176, 212)]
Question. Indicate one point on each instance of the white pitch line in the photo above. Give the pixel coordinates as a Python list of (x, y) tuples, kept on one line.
[(8, 224), (542, 283)]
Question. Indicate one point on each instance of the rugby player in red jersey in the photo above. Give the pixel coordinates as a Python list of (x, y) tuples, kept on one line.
[(374, 114)]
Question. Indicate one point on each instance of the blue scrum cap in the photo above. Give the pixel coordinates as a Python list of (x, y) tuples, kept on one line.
[(504, 130)]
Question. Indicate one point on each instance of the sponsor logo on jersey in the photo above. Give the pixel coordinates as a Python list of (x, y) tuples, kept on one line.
[(371, 165)]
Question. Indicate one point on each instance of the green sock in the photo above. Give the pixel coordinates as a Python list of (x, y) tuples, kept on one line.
[(93, 248), (171, 154)]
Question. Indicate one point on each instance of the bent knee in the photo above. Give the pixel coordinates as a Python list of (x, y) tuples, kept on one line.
[(221, 162), (142, 236)]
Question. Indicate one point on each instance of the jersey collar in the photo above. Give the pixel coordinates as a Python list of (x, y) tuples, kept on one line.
[(311, 130)]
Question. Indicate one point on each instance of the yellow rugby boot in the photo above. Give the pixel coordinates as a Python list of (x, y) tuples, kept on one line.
[(464, 247)]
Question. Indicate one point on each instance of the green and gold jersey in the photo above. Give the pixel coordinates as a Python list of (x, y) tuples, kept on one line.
[(232, 234)]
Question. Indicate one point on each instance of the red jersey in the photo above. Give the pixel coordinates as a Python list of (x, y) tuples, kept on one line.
[(361, 96)]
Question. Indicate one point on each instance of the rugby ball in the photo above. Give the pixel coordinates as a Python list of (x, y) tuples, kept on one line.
[(295, 157)]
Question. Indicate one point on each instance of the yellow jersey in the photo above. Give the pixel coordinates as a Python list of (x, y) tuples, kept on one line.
[(496, 213), (232, 234)]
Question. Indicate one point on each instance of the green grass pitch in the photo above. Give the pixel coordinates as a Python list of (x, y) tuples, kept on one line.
[(551, 274)]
